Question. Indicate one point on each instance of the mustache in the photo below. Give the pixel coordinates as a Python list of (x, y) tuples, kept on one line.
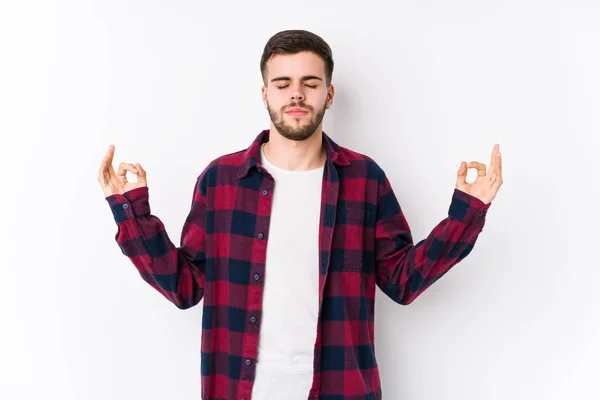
[(300, 105)]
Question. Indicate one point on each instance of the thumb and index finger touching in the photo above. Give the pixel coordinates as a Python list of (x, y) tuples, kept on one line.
[(496, 162), (106, 166)]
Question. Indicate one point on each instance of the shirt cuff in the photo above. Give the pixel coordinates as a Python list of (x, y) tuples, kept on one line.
[(467, 208), (129, 205)]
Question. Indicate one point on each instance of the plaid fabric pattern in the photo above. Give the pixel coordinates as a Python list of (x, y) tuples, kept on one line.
[(365, 243)]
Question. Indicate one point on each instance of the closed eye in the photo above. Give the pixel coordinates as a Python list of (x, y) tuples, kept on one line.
[(284, 86)]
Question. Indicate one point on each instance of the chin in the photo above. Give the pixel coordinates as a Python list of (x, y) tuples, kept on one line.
[(294, 135)]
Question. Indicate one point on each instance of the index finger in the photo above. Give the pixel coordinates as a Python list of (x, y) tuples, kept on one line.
[(108, 159)]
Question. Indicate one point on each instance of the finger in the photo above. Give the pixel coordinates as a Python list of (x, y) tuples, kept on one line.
[(141, 174), (141, 171), (497, 167), (494, 158), (107, 160), (496, 183), (499, 163), (480, 167), (124, 167), (461, 174)]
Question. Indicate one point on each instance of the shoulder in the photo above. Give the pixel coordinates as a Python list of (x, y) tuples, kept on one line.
[(361, 165), (220, 170)]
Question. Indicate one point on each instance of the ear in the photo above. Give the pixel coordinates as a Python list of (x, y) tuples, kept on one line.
[(264, 96), (330, 95)]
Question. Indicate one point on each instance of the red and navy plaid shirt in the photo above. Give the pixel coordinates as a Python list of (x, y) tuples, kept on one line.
[(364, 241)]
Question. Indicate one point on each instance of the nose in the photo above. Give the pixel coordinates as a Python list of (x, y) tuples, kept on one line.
[(297, 94), (297, 97)]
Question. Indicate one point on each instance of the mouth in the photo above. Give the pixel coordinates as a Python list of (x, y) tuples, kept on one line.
[(297, 113)]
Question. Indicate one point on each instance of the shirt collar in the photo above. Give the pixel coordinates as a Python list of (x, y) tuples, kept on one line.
[(251, 157)]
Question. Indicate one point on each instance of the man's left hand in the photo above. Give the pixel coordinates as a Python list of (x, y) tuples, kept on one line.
[(486, 185)]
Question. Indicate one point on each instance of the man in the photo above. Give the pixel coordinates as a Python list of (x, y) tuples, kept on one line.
[(287, 240)]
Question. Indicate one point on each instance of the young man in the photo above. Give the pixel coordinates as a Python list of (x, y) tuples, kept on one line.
[(287, 240)]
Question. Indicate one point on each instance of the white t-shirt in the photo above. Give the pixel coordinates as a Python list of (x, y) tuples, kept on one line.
[(284, 367)]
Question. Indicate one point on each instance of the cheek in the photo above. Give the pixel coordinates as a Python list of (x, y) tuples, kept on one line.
[(275, 100), (319, 98)]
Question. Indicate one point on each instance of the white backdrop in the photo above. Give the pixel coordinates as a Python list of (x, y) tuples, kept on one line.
[(420, 86)]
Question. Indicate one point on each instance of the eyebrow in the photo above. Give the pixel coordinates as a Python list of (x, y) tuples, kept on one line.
[(287, 78)]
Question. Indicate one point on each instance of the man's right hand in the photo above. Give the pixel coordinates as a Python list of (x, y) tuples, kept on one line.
[(116, 183)]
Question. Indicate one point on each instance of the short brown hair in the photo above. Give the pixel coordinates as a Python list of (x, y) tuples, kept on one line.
[(295, 41)]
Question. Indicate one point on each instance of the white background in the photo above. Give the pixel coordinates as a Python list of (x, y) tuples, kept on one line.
[(420, 86)]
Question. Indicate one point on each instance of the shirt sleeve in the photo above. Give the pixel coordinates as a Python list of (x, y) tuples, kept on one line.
[(404, 270), (178, 273)]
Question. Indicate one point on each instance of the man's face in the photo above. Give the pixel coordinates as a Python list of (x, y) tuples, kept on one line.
[(296, 81)]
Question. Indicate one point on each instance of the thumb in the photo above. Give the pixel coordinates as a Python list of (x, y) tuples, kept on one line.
[(141, 176), (461, 174)]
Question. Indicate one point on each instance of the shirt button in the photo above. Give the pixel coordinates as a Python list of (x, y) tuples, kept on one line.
[(248, 361), (256, 277), (125, 206), (253, 320), (259, 170), (261, 235), (265, 192), (481, 214)]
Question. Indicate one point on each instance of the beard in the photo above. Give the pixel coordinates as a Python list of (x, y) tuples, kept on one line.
[(296, 130)]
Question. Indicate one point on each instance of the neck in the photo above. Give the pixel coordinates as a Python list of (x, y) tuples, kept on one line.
[(295, 155)]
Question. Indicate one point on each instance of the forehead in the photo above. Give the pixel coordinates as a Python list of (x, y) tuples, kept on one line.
[(296, 65)]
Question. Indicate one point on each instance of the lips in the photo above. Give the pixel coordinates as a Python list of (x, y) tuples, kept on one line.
[(296, 111)]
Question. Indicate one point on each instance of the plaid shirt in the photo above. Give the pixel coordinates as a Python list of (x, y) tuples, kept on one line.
[(364, 241)]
